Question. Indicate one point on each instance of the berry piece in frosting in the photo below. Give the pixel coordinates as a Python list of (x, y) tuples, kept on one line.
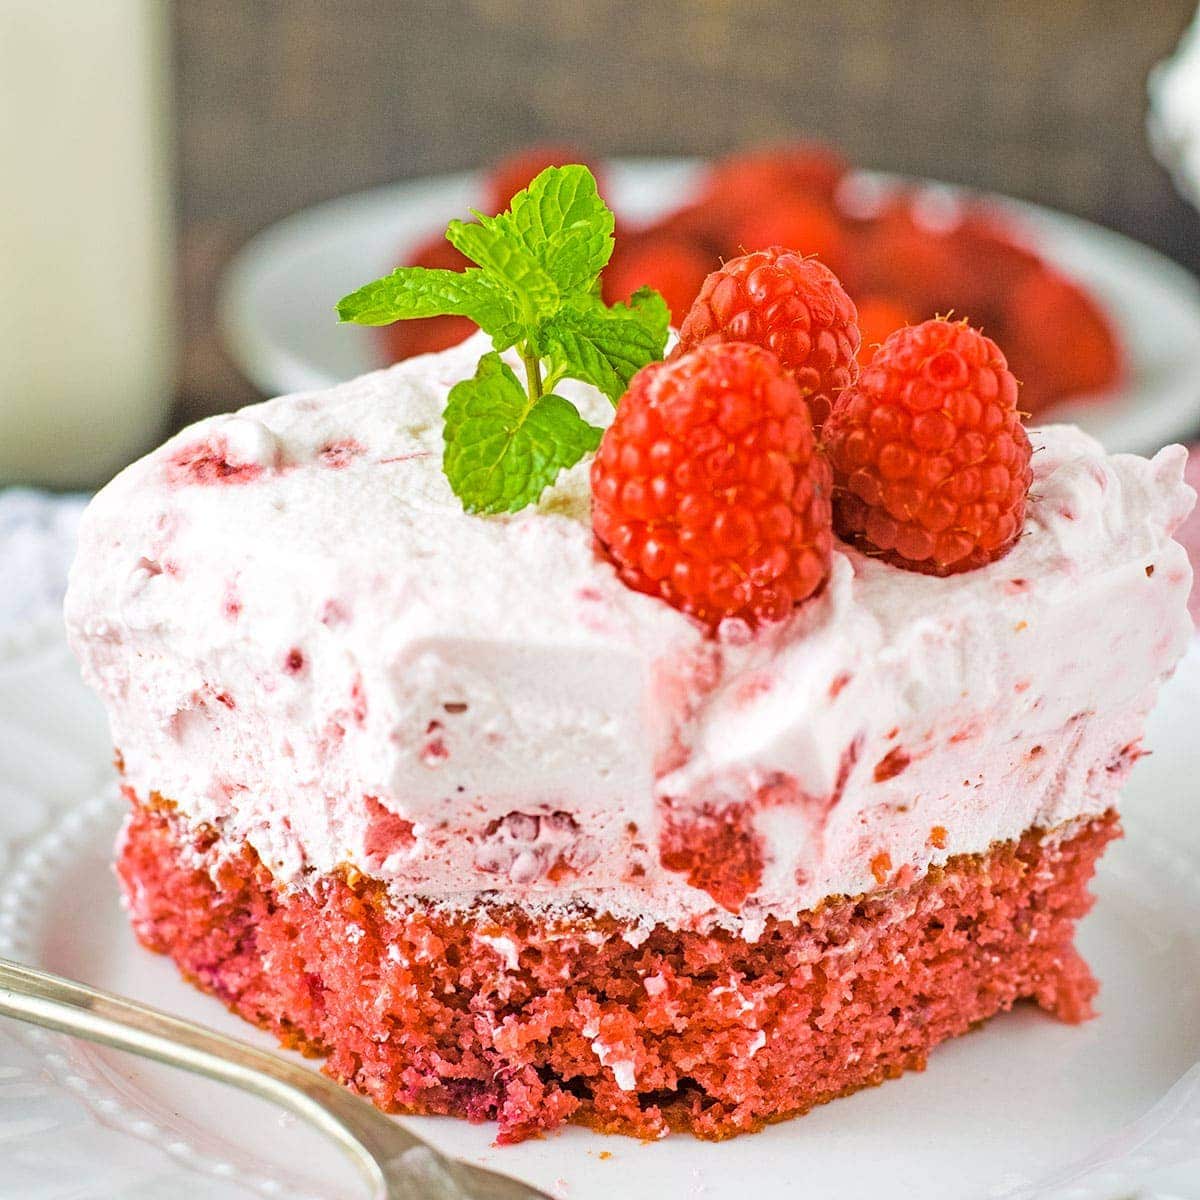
[(236, 450), (931, 463), (709, 490), (791, 305)]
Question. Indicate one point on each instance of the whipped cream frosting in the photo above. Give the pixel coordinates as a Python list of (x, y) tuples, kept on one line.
[(303, 640)]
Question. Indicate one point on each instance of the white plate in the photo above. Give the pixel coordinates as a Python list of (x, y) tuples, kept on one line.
[(1026, 1108), (277, 300)]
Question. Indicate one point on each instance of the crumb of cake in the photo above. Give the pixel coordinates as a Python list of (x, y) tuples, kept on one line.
[(484, 1015), (937, 837)]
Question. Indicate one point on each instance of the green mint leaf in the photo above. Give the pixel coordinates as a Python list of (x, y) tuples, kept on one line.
[(563, 223), (505, 447), (424, 292), (535, 286), (507, 265), (606, 347)]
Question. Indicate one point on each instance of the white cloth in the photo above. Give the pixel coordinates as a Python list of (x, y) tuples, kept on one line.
[(37, 540)]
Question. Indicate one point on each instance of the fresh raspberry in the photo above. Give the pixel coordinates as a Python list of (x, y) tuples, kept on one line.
[(709, 490), (671, 265), (930, 461), (788, 304)]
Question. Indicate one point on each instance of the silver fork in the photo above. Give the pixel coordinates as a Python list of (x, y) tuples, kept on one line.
[(396, 1164)]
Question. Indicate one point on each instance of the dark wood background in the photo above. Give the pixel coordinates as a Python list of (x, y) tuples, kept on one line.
[(281, 103)]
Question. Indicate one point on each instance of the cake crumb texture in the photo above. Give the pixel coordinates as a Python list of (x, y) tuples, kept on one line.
[(505, 1015)]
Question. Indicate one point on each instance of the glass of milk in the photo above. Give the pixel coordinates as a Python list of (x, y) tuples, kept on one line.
[(86, 290)]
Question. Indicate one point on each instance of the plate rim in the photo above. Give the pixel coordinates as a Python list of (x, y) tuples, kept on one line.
[(1157, 1137)]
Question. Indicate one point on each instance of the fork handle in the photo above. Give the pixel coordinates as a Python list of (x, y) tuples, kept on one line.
[(368, 1136)]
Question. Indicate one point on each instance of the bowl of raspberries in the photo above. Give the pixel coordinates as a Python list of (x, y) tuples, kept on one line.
[(906, 252)]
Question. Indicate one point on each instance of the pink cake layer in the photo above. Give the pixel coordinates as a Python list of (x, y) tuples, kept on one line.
[(501, 1014)]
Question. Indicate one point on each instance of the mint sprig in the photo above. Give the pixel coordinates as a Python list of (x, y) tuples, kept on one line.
[(504, 446), (536, 288)]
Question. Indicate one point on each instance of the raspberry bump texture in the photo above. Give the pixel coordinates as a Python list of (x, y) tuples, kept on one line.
[(709, 490), (931, 463), (788, 304)]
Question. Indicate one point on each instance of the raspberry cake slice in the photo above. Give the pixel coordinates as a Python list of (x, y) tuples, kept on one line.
[(571, 813)]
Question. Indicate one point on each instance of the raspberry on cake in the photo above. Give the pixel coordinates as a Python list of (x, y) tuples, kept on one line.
[(434, 793), (708, 489), (788, 304), (931, 463)]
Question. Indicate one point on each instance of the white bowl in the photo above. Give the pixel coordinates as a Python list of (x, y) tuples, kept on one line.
[(277, 299)]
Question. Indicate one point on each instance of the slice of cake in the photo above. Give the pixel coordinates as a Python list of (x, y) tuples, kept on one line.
[(512, 822)]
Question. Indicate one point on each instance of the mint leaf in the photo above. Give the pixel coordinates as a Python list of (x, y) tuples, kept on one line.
[(504, 447), (535, 287), (506, 264), (427, 292), (563, 223), (606, 347)]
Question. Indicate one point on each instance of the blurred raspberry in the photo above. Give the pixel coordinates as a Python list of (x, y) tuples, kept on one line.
[(742, 181), (708, 489), (895, 255), (791, 305), (696, 224), (804, 223), (979, 265), (1061, 341), (672, 265), (878, 317), (931, 464), (990, 248), (406, 339), (515, 172), (737, 187)]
